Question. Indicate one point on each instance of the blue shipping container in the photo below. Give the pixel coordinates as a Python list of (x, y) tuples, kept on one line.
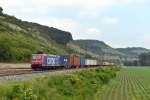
[(82, 61), (64, 60), (51, 60)]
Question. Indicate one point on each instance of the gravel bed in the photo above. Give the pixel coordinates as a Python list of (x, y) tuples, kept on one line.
[(11, 65), (38, 74)]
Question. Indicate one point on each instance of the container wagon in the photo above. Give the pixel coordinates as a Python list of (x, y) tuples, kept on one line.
[(90, 62), (74, 62), (82, 62), (98, 62), (64, 62)]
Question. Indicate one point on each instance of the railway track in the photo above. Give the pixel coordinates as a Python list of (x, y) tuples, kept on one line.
[(21, 71), (14, 71), (28, 73)]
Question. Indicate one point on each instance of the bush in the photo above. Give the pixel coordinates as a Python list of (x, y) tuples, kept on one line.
[(81, 85)]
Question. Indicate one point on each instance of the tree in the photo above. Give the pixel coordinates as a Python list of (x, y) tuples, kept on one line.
[(5, 52), (1, 10), (145, 59)]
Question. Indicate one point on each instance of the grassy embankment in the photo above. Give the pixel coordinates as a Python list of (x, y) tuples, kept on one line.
[(16, 47), (82, 85), (20, 39)]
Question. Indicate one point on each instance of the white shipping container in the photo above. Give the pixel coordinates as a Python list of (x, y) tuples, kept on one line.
[(90, 62)]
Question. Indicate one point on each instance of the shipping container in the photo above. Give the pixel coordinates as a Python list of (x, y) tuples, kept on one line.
[(51, 60), (90, 62), (98, 61), (82, 61), (64, 60), (74, 61)]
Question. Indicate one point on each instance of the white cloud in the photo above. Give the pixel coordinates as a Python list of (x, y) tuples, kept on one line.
[(88, 33), (37, 11), (93, 31), (145, 38), (87, 7), (88, 4), (63, 24), (110, 20)]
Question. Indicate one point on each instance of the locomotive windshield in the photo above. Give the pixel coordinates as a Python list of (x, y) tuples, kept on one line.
[(36, 57)]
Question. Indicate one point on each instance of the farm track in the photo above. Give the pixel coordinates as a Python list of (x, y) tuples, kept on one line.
[(129, 84)]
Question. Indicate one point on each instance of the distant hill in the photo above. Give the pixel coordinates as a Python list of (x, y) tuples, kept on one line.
[(133, 51), (97, 47), (119, 55)]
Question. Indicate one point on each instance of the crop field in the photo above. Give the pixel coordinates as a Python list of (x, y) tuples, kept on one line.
[(130, 84)]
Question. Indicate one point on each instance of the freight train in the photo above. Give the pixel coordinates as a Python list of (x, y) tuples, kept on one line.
[(49, 61)]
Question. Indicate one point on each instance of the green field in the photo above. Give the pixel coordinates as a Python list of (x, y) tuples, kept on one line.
[(130, 84)]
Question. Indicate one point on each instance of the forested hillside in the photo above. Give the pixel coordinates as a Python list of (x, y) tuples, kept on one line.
[(19, 39), (97, 47), (133, 51)]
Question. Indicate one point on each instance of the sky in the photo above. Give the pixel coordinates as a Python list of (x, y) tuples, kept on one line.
[(119, 23)]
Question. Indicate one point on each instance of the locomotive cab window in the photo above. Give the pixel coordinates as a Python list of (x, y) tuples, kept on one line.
[(36, 57)]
